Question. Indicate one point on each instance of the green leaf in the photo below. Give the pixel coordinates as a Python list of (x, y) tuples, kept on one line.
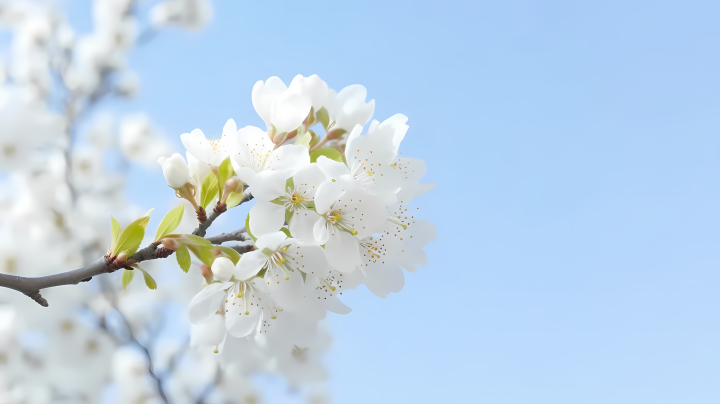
[(322, 116), (304, 275), (170, 222), (127, 277), (233, 255), (203, 253), (289, 215), (146, 219), (225, 171), (286, 231), (115, 232), (149, 281), (183, 257), (328, 152), (234, 199), (208, 190), (191, 239), (130, 237), (247, 228), (290, 184)]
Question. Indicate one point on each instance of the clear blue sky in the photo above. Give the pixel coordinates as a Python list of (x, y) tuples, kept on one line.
[(575, 147)]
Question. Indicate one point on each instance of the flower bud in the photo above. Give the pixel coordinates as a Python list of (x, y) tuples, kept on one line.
[(122, 257), (175, 170), (223, 269), (170, 244), (233, 184)]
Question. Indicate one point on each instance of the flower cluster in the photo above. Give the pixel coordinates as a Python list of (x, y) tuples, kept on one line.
[(331, 212)]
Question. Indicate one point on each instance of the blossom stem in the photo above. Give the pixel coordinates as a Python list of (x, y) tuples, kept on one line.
[(320, 143)]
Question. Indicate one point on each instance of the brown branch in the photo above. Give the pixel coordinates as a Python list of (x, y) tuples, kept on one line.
[(202, 227), (32, 286), (237, 235)]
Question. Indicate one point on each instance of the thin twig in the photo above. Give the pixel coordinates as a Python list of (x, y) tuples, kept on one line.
[(237, 235), (32, 286), (202, 227)]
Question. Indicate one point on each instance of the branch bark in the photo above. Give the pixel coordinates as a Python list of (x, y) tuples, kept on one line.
[(237, 235), (202, 228), (32, 286)]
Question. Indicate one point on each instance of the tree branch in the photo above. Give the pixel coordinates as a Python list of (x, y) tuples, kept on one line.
[(32, 286), (237, 235), (202, 228)]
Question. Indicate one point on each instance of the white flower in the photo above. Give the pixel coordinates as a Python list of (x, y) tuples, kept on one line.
[(252, 152), (348, 108), (243, 305), (277, 256), (346, 215), (210, 151), (310, 298), (293, 203), (370, 157), (282, 109), (198, 170), (175, 170), (312, 87), (411, 171)]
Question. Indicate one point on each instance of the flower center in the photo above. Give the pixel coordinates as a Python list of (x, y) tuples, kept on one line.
[(297, 198), (334, 216), (336, 219)]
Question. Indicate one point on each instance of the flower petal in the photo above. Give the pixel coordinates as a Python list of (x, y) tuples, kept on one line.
[(250, 264), (266, 217), (342, 251), (204, 305)]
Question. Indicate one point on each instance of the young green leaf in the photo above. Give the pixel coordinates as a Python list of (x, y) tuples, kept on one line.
[(328, 152), (146, 219), (191, 239), (183, 257), (247, 228), (115, 232), (127, 277), (203, 252), (130, 238), (149, 281), (225, 171), (323, 117), (170, 222), (208, 190)]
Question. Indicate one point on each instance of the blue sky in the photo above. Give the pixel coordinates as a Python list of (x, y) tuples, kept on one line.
[(575, 147)]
